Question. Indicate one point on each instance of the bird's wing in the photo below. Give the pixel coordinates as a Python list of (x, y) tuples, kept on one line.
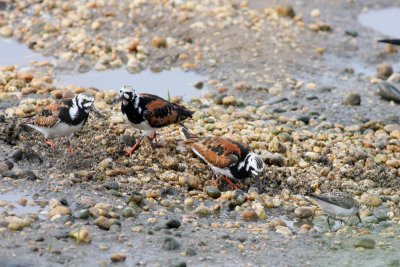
[(219, 152), (335, 199), (159, 112), (48, 116)]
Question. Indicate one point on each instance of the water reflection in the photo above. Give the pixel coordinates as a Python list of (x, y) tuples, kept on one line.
[(153, 81)]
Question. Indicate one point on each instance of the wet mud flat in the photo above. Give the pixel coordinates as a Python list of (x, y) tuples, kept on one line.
[(281, 87)]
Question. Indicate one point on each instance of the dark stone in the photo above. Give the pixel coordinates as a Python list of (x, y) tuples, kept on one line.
[(278, 110), (10, 174), (63, 201), (304, 118), (190, 251), (212, 192), (178, 263), (198, 85), (242, 238), (238, 198), (353, 99), (150, 232), (114, 193), (135, 197), (63, 219), (38, 238), (173, 223), (9, 164), (112, 185), (312, 97), (81, 214), (169, 243), (61, 234), (218, 99), (351, 33), (16, 155), (276, 100)]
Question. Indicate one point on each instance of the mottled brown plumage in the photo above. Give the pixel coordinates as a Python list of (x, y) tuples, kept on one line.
[(48, 116), (219, 152)]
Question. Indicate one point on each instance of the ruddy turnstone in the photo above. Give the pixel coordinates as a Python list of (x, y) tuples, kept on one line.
[(63, 118), (148, 112), (225, 156), (337, 204)]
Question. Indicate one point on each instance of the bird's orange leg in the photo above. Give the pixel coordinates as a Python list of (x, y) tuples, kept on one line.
[(129, 153), (50, 143), (154, 136), (214, 181), (233, 186), (70, 149)]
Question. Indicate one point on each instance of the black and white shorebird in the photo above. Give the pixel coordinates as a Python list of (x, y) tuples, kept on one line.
[(148, 112), (62, 118), (337, 204), (230, 158)]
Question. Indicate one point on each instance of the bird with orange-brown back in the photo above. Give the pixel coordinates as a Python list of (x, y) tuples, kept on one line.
[(148, 113)]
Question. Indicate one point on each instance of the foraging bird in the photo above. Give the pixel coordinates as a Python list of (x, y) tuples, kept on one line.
[(337, 204), (225, 156), (63, 118), (390, 41), (148, 112)]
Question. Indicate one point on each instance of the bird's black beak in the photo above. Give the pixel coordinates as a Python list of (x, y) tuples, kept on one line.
[(120, 99), (92, 108), (358, 216)]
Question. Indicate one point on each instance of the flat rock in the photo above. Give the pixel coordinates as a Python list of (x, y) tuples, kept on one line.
[(365, 243), (59, 210)]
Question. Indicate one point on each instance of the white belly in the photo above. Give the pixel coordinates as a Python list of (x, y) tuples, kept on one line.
[(225, 172), (335, 210), (58, 130), (143, 126)]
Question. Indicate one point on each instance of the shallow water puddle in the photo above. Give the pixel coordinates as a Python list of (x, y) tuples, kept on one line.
[(177, 82), (11, 199), (385, 21), (13, 53)]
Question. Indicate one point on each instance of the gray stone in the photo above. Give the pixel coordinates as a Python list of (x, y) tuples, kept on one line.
[(27, 174), (238, 198), (112, 185), (212, 192), (129, 212), (370, 219), (81, 214), (353, 99), (10, 174), (63, 219), (190, 251), (178, 263), (169, 243)]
